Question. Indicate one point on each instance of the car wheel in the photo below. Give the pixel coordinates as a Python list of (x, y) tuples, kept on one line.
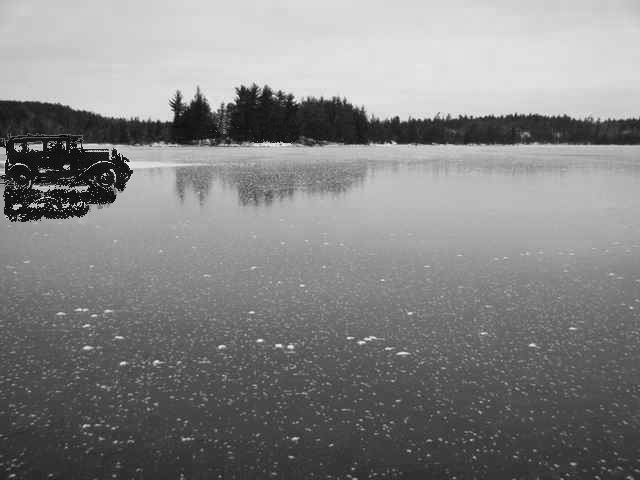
[(106, 179), (22, 179)]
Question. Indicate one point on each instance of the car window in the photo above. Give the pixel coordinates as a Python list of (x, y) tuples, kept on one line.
[(55, 146), (35, 147)]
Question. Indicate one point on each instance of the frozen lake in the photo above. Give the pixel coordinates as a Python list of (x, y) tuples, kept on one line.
[(379, 312)]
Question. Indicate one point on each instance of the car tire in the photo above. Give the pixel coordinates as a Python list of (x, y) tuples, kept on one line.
[(105, 179), (21, 177)]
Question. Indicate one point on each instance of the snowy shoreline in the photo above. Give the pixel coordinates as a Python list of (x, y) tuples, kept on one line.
[(359, 145)]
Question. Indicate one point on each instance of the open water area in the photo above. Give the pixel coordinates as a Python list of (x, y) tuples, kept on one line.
[(331, 313)]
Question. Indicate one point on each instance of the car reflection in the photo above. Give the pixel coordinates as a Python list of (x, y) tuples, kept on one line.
[(55, 201)]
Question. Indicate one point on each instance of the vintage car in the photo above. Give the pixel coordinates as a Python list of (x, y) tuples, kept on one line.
[(62, 159)]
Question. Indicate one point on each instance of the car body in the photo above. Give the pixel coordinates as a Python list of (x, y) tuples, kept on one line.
[(62, 159)]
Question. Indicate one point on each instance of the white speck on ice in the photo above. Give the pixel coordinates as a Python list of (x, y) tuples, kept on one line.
[(279, 345), (533, 345), (302, 285), (86, 325), (251, 312), (207, 275), (361, 342), (573, 329), (87, 348), (60, 314), (222, 347), (157, 363), (295, 439), (409, 313), (388, 349), (402, 354), (123, 364), (260, 340), (108, 310), (94, 315), (118, 337), (350, 338), (291, 347), (484, 334), (253, 267)]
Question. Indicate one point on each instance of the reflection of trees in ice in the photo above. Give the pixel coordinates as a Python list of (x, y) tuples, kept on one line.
[(263, 183), (198, 179)]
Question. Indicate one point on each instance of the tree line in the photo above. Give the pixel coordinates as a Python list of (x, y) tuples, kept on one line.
[(260, 114), (505, 129)]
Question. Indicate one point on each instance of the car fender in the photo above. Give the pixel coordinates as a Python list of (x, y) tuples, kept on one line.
[(98, 168)]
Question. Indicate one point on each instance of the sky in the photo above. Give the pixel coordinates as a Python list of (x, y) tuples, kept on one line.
[(404, 57)]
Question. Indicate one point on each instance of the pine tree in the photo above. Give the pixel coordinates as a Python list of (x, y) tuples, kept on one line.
[(199, 118), (178, 108)]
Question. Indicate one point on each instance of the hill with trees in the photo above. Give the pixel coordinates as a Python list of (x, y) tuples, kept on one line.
[(36, 117)]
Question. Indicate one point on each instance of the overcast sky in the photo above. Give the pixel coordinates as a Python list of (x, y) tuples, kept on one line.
[(405, 57)]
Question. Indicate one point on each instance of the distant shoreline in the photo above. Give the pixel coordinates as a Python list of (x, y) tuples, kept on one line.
[(314, 122), (370, 145)]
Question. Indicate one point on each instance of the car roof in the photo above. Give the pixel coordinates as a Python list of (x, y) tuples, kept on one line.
[(42, 138)]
